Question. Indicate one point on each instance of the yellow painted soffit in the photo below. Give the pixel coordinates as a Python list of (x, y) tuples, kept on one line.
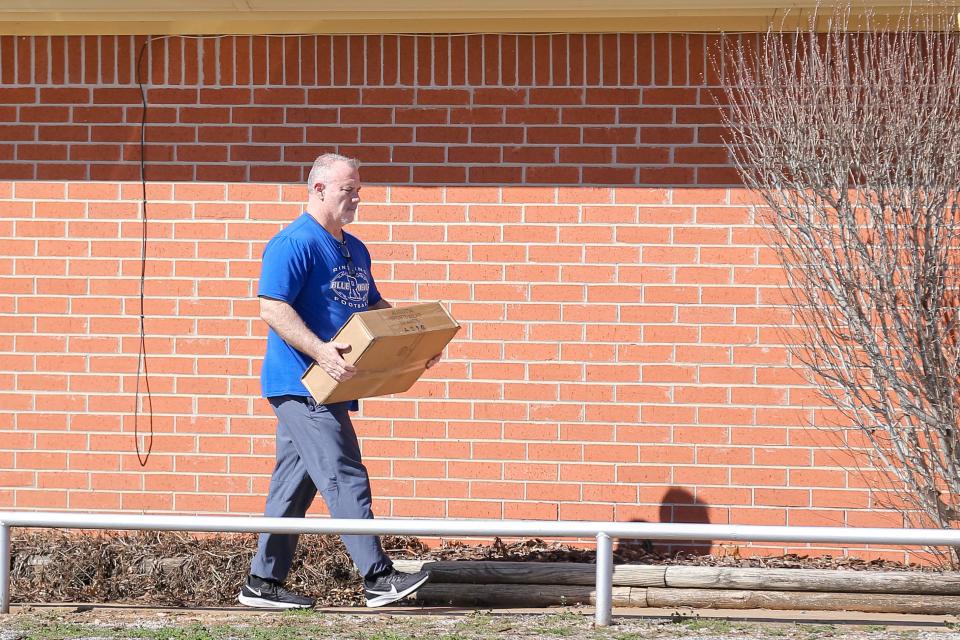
[(92, 17)]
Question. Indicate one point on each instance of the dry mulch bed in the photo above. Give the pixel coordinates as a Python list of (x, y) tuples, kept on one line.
[(180, 569)]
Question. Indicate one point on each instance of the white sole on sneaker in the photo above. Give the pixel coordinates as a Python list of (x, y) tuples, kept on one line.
[(387, 598), (261, 603)]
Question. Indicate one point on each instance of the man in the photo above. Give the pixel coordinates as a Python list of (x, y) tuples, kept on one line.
[(314, 276)]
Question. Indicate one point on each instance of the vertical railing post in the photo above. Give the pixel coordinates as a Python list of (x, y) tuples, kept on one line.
[(604, 586), (4, 568)]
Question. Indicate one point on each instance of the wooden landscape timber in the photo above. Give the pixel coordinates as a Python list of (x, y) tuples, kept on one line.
[(551, 583), (542, 595)]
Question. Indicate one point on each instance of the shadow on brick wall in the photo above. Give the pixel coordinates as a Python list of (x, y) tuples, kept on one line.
[(678, 505)]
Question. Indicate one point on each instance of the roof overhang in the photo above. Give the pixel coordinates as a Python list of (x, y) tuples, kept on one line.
[(91, 17)]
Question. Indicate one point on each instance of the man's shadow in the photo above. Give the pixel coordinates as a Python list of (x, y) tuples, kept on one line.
[(677, 505)]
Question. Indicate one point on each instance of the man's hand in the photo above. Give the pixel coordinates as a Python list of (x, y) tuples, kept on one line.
[(434, 360), (329, 359)]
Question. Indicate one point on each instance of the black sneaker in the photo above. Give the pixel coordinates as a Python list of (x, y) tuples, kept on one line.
[(267, 594), (392, 586)]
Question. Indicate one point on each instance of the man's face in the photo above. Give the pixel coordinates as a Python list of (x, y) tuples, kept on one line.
[(340, 193)]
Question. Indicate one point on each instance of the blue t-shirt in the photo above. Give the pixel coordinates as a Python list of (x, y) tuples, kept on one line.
[(304, 266)]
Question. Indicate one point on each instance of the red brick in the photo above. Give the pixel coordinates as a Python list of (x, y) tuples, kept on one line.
[(172, 96), (495, 175), (49, 95), (96, 114), (44, 114), (280, 96), (48, 152), (225, 96), (666, 135), (18, 132), (586, 511), (499, 96), (15, 95), (456, 135), (593, 71), (442, 96), (257, 115)]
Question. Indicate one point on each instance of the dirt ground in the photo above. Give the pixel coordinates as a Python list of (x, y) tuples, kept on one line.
[(409, 623)]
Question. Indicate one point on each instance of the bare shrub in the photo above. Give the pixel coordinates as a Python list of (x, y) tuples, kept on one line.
[(851, 136)]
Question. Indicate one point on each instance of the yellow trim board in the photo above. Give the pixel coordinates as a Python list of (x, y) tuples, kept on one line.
[(106, 17)]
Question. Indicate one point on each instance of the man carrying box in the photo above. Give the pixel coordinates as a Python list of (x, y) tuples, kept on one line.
[(314, 277)]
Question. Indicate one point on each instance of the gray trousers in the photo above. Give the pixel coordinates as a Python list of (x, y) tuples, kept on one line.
[(317, 448)]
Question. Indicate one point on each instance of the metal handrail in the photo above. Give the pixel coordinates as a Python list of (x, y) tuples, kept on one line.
[(604, 532)]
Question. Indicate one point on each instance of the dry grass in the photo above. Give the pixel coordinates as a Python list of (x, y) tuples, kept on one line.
[(172, 568)]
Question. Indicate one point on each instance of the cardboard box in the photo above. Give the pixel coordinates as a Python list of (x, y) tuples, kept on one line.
[(390, 349)]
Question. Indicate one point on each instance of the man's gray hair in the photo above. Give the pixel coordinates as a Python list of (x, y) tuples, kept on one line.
[(321, 167)]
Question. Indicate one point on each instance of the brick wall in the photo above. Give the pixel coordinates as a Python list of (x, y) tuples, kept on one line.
[(569, 196)]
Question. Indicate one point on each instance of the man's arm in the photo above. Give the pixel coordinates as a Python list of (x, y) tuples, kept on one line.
[(288, 324)]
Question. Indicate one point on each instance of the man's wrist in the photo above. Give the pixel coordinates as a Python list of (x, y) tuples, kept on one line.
[(317, 350)]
